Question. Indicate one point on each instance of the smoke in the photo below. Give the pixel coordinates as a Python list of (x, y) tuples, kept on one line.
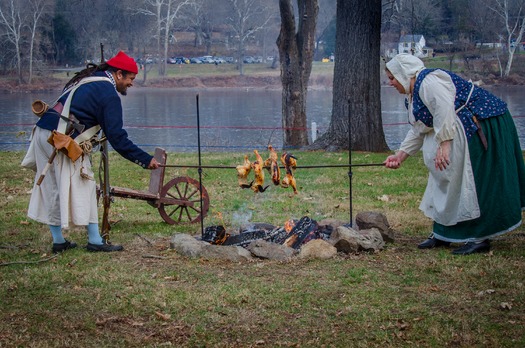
[(242, 217)]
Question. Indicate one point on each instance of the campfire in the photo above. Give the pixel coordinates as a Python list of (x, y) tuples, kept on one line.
[(294, 233), (305, 238)]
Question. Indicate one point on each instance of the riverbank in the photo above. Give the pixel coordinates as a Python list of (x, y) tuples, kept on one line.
[(260, 76)]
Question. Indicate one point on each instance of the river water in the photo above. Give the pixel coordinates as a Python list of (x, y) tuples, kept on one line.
[(229, 119)]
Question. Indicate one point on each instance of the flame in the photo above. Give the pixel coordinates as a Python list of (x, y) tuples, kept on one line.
[(219, 216), (288, 225), (221, 241)]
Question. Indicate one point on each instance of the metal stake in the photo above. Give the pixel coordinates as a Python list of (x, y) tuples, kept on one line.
[(350, 174), (200, 164)]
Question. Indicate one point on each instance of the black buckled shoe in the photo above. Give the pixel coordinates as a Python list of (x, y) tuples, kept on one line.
[(60, 247), (105, 247), (432, 242), (471, 248)]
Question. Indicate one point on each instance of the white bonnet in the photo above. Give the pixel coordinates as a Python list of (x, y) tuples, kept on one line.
[(404, 66)]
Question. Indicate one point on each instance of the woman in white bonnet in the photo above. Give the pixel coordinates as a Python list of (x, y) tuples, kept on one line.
[(476, 184)]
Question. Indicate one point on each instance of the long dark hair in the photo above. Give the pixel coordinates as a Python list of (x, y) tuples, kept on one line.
[(90, 69)]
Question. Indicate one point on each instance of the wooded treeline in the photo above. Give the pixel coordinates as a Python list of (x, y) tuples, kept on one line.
[(36, 34)]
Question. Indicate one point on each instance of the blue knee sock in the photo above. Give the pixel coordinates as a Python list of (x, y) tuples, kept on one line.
[(94, 235), (56, 233)]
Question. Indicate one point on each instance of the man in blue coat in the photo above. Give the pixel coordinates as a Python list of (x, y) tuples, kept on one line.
[(67, 194)]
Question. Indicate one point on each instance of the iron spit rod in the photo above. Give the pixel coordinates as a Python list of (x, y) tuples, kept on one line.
[(299, 167)]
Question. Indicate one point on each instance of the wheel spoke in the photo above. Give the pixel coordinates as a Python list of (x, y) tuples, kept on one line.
[(187, 191)]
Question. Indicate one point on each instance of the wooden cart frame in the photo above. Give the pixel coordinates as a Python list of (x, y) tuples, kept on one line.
[(182, 199)]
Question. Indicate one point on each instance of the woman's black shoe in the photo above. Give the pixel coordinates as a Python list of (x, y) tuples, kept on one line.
[(471, 248), (432, 242), (105, 247)]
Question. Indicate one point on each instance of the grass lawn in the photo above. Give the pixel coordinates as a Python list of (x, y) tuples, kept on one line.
[(149, 296)]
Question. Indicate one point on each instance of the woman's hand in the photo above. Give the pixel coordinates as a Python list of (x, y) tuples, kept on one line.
[(442, 159), (394, 161)]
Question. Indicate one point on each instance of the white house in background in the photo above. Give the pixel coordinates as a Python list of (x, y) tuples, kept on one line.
[(414, 44)]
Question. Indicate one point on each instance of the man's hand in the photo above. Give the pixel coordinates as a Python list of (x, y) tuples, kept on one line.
[(153, 164)]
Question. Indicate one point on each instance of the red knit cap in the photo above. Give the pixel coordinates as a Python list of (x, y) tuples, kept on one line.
[(123, 62)]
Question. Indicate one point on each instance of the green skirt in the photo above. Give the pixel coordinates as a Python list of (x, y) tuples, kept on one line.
[(499, 173)]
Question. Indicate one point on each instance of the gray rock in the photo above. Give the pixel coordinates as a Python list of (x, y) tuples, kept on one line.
[(331, 222), (344, 240), (225, 252), (271, 251), (348, 240), (187, 245), (369, 219), (317, 249)]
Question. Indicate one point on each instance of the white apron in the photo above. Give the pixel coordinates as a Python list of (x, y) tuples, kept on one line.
[(450, 196), (63, 197)]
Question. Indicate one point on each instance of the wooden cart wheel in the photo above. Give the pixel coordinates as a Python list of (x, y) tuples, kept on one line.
[(188, 191)]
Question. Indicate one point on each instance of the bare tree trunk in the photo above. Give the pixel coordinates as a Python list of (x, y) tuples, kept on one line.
[(37, 9), (13, 18), (296, 49), (357, 93), (513, 18), (246, 18), (240, 61)]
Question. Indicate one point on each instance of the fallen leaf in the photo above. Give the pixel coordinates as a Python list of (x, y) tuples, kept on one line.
[(486, 292), (384, 198), (163, 316), (505, 306)]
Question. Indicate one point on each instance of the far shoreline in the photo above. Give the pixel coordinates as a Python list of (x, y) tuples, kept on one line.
[(271, 81)]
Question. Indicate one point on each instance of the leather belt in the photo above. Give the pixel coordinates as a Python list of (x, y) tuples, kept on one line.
[(480, 133)]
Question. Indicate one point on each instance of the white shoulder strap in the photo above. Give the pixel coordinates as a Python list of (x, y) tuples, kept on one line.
[(468, 98), (87, 134), (62, 124)]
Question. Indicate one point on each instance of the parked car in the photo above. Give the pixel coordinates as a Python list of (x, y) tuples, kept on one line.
[(195, 60), (248, 60), (219, 60), (182, 60), (207, 59)]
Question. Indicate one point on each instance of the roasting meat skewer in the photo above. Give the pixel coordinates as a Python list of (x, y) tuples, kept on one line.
[(272, 166), (257, 166), (242, 173), (290, 163)]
